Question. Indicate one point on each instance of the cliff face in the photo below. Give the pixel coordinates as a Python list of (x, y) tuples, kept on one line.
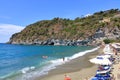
[(65, 31)]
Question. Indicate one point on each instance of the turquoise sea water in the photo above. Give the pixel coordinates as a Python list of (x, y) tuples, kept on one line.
[(24, 62)]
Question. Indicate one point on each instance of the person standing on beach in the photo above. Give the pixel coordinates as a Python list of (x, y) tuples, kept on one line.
[(67, 77), (63, 58), (102, 45)]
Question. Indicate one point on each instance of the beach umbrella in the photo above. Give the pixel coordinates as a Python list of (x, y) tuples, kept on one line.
[(116, 45), (101, 61), (111, 53), (108, 50)]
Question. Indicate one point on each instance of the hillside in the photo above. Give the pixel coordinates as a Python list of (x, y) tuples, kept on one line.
[(58, 30)]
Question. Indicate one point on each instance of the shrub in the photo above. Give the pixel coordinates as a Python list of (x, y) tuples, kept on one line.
[(107, 41)]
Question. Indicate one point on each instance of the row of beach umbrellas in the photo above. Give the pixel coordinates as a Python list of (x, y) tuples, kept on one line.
[(103, 59)]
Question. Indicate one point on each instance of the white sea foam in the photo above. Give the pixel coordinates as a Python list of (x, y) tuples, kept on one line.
[(29, 73), (67, 59), (60, 61), (82, 53), (53, 65), (26, 69), (36, 73)]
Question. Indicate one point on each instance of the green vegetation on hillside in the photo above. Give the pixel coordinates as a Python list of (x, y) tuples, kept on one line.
[(58, 28)]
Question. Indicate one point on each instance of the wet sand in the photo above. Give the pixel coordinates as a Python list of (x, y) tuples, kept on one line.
[(77, 69)]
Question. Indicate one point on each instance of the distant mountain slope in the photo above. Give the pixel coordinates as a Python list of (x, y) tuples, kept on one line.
[(66, 29)]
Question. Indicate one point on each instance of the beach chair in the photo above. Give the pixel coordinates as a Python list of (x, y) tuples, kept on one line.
[(103, 76), (104, 69)]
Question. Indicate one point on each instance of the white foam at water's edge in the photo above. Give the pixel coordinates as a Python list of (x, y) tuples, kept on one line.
[(82, 53), (53, 65), (23, 71), (29, 73), (60, 61), (26, 69)]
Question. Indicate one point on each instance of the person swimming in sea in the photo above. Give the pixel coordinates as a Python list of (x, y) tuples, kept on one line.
[(45, 57)]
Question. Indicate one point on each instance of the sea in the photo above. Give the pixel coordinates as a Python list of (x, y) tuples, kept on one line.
[(26, 62)]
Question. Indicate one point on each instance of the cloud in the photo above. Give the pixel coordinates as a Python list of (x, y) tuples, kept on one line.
[(6, 31), (87, 15)]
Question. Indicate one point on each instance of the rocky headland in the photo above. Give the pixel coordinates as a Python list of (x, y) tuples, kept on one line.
[(88, 30)]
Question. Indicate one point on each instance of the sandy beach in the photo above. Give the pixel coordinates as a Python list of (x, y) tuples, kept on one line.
[(116, 69), (77, 69)]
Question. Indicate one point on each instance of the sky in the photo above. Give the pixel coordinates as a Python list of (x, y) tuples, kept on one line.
[(20, 13)]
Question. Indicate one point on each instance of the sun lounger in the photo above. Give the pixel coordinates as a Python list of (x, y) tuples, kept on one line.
[(104, 67), (102, 77), (104, 71)]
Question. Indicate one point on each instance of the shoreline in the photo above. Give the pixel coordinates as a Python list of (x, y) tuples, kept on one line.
[(76, 68)]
